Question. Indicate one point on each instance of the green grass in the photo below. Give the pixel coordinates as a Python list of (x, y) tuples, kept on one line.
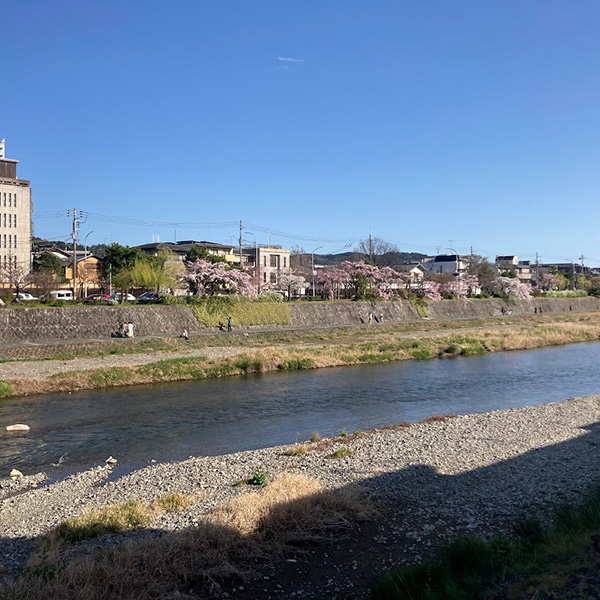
[(341, 453), (211, 311), (296, 364), (421, 354), (376, 358), (5, 389), (537, 563)]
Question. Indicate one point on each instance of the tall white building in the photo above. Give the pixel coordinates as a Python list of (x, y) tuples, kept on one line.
[(15, 221)]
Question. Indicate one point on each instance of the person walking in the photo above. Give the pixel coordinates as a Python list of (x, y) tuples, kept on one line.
[(228, 323)]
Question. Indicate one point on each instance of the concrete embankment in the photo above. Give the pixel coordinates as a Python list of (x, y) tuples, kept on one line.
[(64, 323)]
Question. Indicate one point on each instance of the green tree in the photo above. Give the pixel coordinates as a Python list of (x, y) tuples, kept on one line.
[(201, 252), (118, 258), (50, 264)]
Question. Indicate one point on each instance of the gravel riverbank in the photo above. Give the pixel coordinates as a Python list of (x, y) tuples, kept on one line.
[(430, 482)]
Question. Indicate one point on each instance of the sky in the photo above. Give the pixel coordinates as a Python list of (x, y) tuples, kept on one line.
[(433, 125)]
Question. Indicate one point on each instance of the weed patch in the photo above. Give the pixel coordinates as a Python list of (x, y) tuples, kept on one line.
[(341, 453), (421, 354), (5, 389), (296, 364)]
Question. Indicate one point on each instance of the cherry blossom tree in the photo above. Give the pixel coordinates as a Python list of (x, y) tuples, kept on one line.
[(513, 288), (333, 281), (431, 290), (549, 282), (291, 281), (206, 278), (461, 286)]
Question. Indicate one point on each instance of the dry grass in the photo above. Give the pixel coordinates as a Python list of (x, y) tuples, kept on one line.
[(234, 540), (384, 346)]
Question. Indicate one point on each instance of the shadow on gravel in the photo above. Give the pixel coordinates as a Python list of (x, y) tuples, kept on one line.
[(274, 556)]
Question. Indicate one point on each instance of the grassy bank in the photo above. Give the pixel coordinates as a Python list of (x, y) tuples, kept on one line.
[(244, 313), (541, 563), (317, 349)]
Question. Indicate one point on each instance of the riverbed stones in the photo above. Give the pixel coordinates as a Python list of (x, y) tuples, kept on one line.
[(15, 474), (430, 482), (18, 427), (111, 461)]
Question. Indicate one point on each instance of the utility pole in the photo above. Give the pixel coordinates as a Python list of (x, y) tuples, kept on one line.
[(581, 258), (241, 233), (537, 270), (76, 224)]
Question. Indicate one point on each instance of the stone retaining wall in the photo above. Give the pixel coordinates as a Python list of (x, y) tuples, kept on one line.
[(82, 322), (312, 314)]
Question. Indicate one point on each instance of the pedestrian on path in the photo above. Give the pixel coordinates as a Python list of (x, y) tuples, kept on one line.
[(228, 323)]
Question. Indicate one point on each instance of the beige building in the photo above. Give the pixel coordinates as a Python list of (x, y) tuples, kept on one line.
[(15, 223), (271, 261)]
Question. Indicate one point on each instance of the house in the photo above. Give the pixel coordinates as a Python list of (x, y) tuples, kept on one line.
[(415, 270), (511, 264), (181, 249), (271, 260), (90, 272), (447, 264)]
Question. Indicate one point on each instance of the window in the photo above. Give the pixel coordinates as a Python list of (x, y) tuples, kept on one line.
[(4, 219), (273, 277), (265, 260), (15, 241), (275, 260), (15, 220), (10, 219), (15, 201), (9, 199), (265, 277), (284, 260)]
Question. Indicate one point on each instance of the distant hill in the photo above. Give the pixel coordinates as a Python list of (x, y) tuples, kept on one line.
[(390, 259)]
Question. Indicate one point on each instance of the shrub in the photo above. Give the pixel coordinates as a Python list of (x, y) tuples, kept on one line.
[(315, 437), (259, 477)]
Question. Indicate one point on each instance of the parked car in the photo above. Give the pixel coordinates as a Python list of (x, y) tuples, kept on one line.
[(118, 296), (97, 298), (148, 297), (59, 295), (24, 297)]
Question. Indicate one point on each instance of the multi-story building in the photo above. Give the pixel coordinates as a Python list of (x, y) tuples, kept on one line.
[(271, 261), (15, 222), (511, 265)]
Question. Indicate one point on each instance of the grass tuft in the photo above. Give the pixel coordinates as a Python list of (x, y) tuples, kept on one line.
[(341, 453)]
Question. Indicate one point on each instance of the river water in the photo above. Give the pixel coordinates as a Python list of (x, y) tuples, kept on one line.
[(173, 421)]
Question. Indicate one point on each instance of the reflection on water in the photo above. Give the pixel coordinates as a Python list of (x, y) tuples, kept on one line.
[(173, 421)]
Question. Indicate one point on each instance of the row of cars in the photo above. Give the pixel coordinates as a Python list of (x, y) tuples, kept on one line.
[(93, 298)]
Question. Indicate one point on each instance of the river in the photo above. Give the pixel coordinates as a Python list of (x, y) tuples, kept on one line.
[(173, 421)]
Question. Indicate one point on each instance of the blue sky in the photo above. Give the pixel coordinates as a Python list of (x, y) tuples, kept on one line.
[(423, 122)]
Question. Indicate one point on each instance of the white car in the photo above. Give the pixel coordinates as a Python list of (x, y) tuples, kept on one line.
[(24, 297), (118, 296)]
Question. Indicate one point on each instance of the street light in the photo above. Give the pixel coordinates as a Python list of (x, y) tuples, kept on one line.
[(85, 264), (313, 269), (257, 262)]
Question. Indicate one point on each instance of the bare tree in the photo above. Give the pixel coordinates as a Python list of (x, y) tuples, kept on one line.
[(484, 270), (301, 262), (15, 274), (377, 251)]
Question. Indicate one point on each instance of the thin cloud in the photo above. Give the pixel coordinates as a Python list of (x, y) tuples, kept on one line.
[(290, 59)]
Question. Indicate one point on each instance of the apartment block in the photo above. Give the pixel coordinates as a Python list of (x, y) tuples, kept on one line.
[(15, 220)]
